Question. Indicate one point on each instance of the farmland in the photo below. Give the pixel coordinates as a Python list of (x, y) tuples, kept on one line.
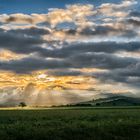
[(70, 124)]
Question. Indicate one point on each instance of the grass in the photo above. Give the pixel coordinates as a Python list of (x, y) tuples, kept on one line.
[(70, 124)]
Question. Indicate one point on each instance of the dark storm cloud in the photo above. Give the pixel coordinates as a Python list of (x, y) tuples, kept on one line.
[(64, 72), (135, 22), (22, 40), (32, 31), (29, 41), (73, 55), (104, 47), (134, 70), (82, 60), (129, 75), (98, 30), (135, 14), (107, 30), (27, 65), (100, 60)]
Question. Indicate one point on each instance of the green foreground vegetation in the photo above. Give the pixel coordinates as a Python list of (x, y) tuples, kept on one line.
[(70, 124)]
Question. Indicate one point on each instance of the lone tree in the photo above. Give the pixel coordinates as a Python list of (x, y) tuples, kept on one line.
[(22, 104), (98, 104)]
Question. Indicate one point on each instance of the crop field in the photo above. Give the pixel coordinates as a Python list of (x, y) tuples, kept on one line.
[(70, 124)]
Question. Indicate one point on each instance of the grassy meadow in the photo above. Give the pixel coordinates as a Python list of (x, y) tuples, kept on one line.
[(70, 124)]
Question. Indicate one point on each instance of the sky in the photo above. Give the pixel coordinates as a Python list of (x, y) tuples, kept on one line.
[(41, 6), (60, 52)]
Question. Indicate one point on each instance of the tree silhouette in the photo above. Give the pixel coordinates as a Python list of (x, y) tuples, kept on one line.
[(22, 104), (98, 104)]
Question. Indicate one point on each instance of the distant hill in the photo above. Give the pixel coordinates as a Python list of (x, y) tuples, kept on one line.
[(111, 101)]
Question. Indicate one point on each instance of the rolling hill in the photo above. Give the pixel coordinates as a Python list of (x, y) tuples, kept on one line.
[(111, 101)]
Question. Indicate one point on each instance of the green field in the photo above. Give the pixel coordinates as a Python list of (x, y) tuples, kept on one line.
[(71, 124)]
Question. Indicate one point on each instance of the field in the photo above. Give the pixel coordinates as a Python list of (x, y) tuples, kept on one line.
[(70, 124)]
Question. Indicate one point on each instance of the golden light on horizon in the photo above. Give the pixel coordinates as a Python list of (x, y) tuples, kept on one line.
[(42, 80)]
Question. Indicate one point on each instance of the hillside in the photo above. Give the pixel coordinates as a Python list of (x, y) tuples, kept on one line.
[(112, 101)]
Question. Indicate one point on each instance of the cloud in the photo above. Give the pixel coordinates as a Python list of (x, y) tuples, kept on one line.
[(31, 64), (65, 72), (22, 40), (133, 21), (109, 31), (99, 47), (134, 14), (128, 75), (78, 56), (6, 55), (81, 20), (72, 13), (20, 18), (31, 31), (116, 10)]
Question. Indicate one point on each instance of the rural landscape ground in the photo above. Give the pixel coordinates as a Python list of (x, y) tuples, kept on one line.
[(71, 123)]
